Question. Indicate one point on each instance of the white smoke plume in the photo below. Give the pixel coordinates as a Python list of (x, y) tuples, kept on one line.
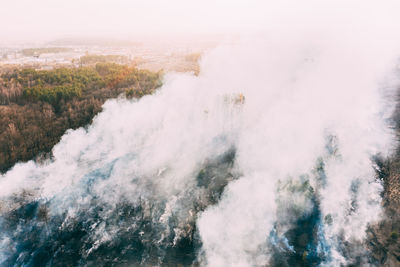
[(305, 107)]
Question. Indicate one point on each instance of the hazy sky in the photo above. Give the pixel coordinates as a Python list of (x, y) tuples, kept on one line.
[(49, 19), (24, 19)]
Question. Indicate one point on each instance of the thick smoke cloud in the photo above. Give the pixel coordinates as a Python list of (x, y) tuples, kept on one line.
[(304, 104), (265, 157)]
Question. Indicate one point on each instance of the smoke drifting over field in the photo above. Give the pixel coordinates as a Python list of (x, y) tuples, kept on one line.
[(264, 158)]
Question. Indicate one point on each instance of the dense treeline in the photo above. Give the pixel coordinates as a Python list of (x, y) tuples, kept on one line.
[(37, 107), (29, 85), (44, 50)]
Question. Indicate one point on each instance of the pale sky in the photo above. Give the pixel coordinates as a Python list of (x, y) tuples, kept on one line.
[(51, 19), (25, 19)]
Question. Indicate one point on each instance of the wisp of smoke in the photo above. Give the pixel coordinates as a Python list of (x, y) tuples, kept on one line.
[(264, 158)]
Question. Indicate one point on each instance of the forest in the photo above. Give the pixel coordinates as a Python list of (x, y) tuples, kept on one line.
[(38, 106)]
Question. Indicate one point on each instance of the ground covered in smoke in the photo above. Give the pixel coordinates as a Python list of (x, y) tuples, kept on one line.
[(277, 157)]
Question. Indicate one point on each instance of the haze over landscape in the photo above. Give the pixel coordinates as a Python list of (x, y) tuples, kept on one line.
[(199, 133), (44, 19)]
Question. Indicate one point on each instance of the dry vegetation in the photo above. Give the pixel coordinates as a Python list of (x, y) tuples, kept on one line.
[(383, 237)]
